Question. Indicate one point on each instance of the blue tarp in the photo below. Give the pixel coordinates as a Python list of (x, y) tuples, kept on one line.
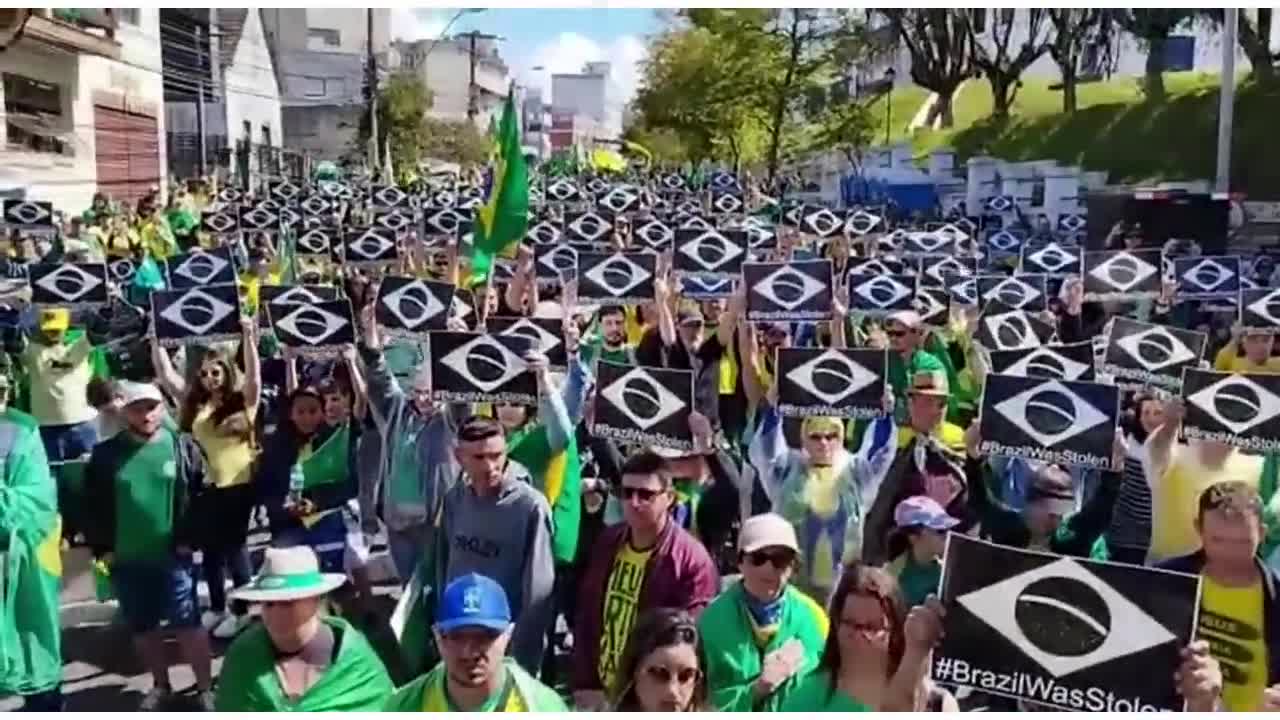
[(908, 197)]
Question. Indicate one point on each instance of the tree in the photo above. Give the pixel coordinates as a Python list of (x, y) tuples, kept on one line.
[(998, 63), (1253, 32), (1152, 27), (455, 141), (1080, 34), (846, 127), (941, 49)]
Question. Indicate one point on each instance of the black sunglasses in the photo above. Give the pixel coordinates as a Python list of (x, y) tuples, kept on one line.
[(663, 675), (817, 437), (779, 559), (643, 494)]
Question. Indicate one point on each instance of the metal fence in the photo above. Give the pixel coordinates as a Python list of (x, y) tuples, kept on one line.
[(242, 163)]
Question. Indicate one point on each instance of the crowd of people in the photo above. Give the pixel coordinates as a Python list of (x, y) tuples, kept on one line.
[(780, 564)]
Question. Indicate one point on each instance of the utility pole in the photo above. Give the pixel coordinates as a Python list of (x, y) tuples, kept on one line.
[(1226, 99), (473, 95), (371, 86), (200, 99)]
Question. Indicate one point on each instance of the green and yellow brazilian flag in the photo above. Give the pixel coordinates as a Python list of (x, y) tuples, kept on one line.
[(502, 220)]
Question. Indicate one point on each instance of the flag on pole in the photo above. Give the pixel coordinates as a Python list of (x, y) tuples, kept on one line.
[(502, 220)]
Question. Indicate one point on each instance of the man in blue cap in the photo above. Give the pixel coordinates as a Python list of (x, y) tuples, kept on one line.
[(473, 628)]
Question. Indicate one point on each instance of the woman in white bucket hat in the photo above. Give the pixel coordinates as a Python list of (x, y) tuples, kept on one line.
[(298, 659)]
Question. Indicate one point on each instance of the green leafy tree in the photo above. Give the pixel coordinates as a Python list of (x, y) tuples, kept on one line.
[(455, 141), (940, 44), (1253, 32), (1077, 32), (1001, 60)]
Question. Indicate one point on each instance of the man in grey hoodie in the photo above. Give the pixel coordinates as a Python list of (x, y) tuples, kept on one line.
[(497, 524), (408, 465)]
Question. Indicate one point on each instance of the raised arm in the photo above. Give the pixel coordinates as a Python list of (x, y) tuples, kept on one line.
[(166, 374), (252, 363), (1160, 444)]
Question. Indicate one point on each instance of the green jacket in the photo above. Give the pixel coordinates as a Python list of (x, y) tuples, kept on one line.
[(356, 681), (427, 693), (30, 561), (813, 693), (734, 660)]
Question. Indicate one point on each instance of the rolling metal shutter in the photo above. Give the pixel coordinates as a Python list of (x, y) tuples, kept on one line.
[(127, 150)]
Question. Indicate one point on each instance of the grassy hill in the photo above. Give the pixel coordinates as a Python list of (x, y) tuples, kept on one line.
[(1114, 130)]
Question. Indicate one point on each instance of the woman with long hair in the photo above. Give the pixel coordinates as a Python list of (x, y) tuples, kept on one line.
[(661, 666), (873, 660), (217, 406)]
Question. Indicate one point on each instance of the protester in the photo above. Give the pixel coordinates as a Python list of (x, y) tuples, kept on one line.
[(761, 634), (1239, 615), (140, 485), (661, 668), (497, 524), (415, 464), (919, 539), (1179, 473), (56, 361), (610, 344), (31, 529), (298, 659), (473, 629), (648, 561), (1247, 352), (912, 349), (862, 667), (707, 485), (1128, 537), (218, 408)]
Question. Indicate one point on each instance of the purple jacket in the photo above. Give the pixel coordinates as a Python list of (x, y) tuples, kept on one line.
[(680, 574)]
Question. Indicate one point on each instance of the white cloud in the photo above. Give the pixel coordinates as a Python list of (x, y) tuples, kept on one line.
[(418, 23), (569, 52)]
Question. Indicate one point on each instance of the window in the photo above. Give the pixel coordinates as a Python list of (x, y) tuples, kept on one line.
[(129, 16), (324, 36), (33, 114), (312, 87)]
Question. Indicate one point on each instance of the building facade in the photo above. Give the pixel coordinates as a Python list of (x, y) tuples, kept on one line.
[(590, 95), (83, 101), (445, 68), (321, 62)]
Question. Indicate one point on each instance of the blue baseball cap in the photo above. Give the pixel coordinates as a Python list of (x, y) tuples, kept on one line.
[(473, 601), (923, 511)]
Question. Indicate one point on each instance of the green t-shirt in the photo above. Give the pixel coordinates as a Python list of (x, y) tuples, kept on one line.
[(491, 702), (814, 694), (144, 500), (918, 581)]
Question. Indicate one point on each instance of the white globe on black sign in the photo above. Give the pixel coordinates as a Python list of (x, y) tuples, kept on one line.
[(468, 367), (1055, 421), (798, 290), (1061, 632), (843, 383), (409, 307), (1239, 409), (643, 405), (209, 313), (1141, 354)]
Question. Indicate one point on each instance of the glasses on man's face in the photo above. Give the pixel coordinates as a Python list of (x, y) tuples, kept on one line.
[(895, 332), (823, 437), (644, 495), (663, 675), (779, 559)]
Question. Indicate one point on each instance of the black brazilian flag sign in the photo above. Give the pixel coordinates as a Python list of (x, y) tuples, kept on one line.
[(1059, 362), (1260, 309), (708, 251), (207, 313), (830, 382), (788, 291), (1140, 354), (547, 335), (1063, 632), (1052, 421), (1020, 292), (1207, 278), (1122, 274), (643, 405), (1235, 408), (470, 367), (1004, 328), (73, 285), (201, 268), (616, 278), (881, 294), (319, 329), (409, 307)]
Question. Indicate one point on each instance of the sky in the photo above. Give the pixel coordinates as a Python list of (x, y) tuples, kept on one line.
[(559, 41)]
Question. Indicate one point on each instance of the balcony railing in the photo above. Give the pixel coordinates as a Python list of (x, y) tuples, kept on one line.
[(85, 30)]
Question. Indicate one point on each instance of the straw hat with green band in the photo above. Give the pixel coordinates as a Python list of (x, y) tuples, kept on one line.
[(288, 574)]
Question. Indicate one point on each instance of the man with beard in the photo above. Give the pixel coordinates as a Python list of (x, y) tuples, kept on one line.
[(473, 628), (911, 349), (611, 343)]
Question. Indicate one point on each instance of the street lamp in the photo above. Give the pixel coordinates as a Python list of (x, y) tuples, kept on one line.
[(889, 76)]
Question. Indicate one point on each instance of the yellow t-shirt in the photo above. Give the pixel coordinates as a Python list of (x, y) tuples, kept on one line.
[(1227, 360), (1175, 497), (229, 456), (59, 375), (622, 598), (822, 496), (1231, 619)]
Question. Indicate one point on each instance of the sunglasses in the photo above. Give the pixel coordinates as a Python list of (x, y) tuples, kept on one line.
[(642, 494), (780, 560), (663, 675), (895, 333), (819, 437), (210, 373)]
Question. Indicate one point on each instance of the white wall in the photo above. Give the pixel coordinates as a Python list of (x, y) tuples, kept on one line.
[(252, 91), (352, 25), (447, 74), (70, 181)]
